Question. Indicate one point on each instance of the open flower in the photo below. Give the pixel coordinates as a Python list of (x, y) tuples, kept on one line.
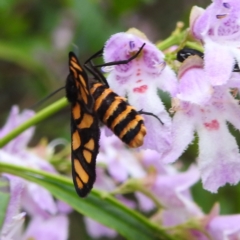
[(218, 27), (218, 227), (35, 200), (139, 80), (219, 158), (171, 188), (12, 153)]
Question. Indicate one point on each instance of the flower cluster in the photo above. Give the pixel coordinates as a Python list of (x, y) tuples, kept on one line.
[(202, 103), (46, 214), (200, 92), (139, 80), (157, 186)]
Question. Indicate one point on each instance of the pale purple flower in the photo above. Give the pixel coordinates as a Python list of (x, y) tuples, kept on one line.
[(35, 200), (225, 227), (219, 227), (14, 218), (12, 153), (52, 228), (139, 81), (219, 158), (171, 188), (14, 230), (218, 27), (97, 230), (15, 118), (192, 87), (38, 228)]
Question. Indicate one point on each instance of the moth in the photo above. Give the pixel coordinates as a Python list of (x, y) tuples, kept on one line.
[(92, 101)]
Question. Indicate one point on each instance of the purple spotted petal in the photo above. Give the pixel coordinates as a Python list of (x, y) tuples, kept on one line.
[(139, 80), (218, 27), (219, 158), (218, 22), (158, 135)]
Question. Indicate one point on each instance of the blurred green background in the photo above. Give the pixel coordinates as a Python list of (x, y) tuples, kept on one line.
[(36, 36)]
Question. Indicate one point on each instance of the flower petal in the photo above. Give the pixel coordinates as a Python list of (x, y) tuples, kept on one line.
[(53, 228), (194, 85), (139, 80), (171, 189), (183, 134), (158, 135), (219, 158), (219, 63), (145, 203), (16, 192), (38, 200), (14, 120), (97, 230), (225, 227)]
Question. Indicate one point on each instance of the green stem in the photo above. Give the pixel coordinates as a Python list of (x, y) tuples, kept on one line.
[(176, 38), (41, 115), (194, 45), (44, 179), (133, 185)]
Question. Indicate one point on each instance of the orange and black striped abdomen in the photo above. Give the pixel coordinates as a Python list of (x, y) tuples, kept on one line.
[(118, 115), (85, 131)]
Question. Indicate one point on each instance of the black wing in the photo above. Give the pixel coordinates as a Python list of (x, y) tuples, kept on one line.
[(85, 132)]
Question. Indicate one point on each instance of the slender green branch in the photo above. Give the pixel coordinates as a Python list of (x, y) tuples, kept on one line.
[(133, 185), (177, 37), (194, 45), (171, 41), (41, 115)]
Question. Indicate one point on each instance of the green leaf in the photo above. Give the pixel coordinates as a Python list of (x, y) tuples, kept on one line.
[(4, 198), (98, 206)]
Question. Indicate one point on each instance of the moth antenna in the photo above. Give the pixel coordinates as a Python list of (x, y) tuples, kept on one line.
[(36, 105)]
